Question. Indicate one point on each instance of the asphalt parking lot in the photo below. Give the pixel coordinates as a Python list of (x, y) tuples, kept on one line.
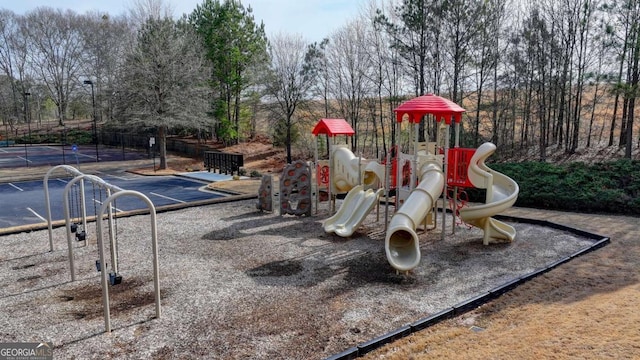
[(23, 202)]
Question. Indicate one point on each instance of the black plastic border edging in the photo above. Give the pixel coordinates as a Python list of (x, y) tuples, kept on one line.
[(432, 320), (384, 339), (474, 302)]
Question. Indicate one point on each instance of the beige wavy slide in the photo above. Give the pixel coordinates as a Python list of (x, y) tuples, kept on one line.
[(354, 209), (502, 193)]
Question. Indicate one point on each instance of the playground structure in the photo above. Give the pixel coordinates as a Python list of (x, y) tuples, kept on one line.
[(78, 225), (418, 181), (346, 173), (295, 190)]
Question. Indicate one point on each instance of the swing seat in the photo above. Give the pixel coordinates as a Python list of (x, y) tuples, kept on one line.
[(115, 279), (74, 228), (81, 236)]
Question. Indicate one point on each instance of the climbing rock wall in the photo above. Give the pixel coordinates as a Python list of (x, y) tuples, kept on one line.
[(295, 189), (265, 192)]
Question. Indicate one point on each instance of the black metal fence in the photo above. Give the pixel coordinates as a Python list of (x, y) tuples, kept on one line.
[(223, 162), (136, 141), (125, 140), (116, 139)]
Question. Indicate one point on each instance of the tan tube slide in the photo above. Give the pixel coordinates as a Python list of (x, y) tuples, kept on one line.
[(401, 243)]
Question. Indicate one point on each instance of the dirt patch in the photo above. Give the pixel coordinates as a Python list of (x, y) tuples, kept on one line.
[(241, 186), (260, 156)]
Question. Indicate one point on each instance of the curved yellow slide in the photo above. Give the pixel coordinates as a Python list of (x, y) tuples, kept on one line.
[(401, 243), (355, 207), (345, 169), (359, 202), (502, 193)]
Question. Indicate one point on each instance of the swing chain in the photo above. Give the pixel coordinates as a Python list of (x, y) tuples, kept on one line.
[(115, 226), (74, 226), (95, 208)]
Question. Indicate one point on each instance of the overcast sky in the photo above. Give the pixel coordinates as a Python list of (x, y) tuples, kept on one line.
[(314, 19)]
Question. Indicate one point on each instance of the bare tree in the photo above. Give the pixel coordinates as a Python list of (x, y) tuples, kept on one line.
[(633, 78), (486, 59), (12, 64), (350, 64), (107, 41), (288, 84), (463, 22), (385, 74), (416, 31), (595, 81), (143, 10), (56, 53), (318, 67), (538, 46)]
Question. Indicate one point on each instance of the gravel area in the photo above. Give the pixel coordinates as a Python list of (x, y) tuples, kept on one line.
[(237, 283)]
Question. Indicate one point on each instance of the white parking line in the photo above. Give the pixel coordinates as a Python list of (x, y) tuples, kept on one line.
[(113, 207), (113, 176), (36, 214), (168, 198), (15, 187), (85, 155), (27, 160)]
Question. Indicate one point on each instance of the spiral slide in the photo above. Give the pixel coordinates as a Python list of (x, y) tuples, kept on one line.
[(401, 243), (356, 206), (502, 193)]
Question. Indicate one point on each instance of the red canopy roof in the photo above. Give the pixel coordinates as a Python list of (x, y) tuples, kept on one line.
[(333, 127), (442, 108)]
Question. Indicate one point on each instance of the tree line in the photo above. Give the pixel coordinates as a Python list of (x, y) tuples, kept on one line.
[(559, 75), (152, 73), (542, 74)]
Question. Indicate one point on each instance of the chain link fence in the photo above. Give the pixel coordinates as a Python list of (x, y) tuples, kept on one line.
[(86, 135)]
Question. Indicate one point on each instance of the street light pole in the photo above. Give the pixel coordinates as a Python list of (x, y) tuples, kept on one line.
[(95, 120), (27, 115)]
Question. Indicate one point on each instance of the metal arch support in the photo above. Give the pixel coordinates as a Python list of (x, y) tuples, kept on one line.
[(96, 181), (69, 169), (154, 247)]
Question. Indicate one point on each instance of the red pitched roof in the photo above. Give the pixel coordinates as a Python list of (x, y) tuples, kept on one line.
[(442, 108), (333, 127)]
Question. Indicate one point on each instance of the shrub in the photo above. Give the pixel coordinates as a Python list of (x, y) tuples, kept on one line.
[(255, 173), (612, 187)]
